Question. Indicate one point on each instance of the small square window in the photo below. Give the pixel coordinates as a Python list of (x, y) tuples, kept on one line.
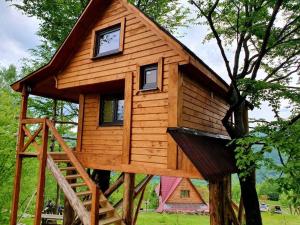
[(107, 41), (184, 194), (148, 77), (112, 110)]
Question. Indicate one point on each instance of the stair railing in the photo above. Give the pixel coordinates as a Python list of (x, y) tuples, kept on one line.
[(46, 125), (81, 171)]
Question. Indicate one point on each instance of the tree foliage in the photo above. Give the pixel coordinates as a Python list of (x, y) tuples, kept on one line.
[(259, 44)]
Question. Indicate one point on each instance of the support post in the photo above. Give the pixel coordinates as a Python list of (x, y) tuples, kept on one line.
[(18, 172), (219, 193), (128, 198), (42, 176)]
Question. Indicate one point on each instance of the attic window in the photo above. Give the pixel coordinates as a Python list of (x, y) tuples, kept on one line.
[(107, 41), (184, 194)]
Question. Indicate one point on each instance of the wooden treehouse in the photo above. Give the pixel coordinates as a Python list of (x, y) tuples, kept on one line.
[(146, 105)]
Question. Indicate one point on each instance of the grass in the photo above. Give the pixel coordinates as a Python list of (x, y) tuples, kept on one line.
[(179, 219)]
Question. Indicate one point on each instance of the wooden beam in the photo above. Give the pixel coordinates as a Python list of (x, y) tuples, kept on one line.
[(27, 133), (173, 98), (128, 198), (42, 176), (127, 118), (241, 211), (18, 172), (137, 189), (114, 186), (80, 122), (32, 138), (138, 207)]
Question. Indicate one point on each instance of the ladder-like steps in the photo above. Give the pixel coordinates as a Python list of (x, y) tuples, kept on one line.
[(83, 193), (102, 201), (105, 210), (78, 185), (108, 221), (71, 177), (62, 161), (67, 168)]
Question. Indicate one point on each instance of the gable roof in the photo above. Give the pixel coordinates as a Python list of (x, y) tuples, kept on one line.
[(169, 184), (86, 20)]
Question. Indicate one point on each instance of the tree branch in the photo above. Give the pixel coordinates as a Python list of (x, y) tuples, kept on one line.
[(266, 38)]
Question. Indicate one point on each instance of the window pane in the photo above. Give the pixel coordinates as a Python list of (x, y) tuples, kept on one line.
[(150, 76), (108, 111), (120, 110), (108, 41)]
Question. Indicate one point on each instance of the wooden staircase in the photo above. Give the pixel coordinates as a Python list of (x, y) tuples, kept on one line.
[(79, 194), (87, 200)]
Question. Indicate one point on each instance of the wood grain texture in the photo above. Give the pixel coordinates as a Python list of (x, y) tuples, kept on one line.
[(68, 191), (18, 171), (127, 119)]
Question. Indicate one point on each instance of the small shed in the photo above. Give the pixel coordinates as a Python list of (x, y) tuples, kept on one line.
[(179, 195)]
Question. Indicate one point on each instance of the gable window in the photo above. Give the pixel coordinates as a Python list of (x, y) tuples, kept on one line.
[(184, 194), (112, 110), (107, 41), (148, 78)]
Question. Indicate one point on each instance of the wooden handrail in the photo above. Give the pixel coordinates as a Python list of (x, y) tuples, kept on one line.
[(92, 186), (33, 120), (48, 124), (71, 156)]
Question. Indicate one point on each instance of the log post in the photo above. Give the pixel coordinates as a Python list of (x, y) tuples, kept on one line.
[(219, 193), (128, 198), (18, 172), (42, 176)]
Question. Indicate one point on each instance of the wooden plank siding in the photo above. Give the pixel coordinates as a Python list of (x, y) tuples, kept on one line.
[(202, 109), (146, 148)]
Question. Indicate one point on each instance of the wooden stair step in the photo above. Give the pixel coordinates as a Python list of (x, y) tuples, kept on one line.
[(62, 161), (110, 220), (89, 202), (67, 168), (78, 185), (83, 193), (70, 177), (105, 210)]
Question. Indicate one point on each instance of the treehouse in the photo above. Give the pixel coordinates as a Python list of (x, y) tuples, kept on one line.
[(147, 105)]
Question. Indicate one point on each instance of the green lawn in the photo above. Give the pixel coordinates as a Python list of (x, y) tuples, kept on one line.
[(179, 219)]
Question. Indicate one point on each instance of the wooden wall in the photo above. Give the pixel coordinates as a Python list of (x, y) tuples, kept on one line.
[(184, 185), (101, 143), (101, 147), (202, 109), (140, 44)]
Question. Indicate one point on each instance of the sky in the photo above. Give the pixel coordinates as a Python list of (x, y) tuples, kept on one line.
[(18, 35)]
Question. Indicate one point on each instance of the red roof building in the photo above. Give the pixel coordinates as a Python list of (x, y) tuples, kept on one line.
[(179, 195)]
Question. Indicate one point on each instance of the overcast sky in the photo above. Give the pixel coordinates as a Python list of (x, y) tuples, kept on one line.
[(18, 34)]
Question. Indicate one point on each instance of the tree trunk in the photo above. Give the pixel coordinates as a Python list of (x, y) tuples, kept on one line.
[(248, 186), (219, 192), (250, 199)]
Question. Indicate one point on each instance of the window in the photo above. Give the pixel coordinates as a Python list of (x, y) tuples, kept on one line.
[(112, 110), (148, 77), (107, 41), (184, 194)]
